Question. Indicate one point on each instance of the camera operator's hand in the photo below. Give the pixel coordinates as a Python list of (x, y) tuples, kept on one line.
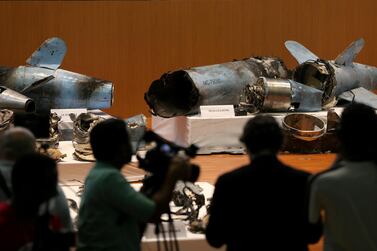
[(179, 169)]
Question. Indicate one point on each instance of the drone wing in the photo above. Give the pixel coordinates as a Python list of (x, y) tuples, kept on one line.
[(49, 55), (348, 55), (360, 95), (300, 52)]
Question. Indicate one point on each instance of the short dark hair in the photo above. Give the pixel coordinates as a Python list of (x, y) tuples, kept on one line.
[(34, 181), (357, 132), (108, 137), (262, 133)]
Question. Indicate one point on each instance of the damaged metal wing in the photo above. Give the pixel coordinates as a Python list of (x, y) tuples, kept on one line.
[(348, 55), (360, 95), (336, 77), (182, 92)]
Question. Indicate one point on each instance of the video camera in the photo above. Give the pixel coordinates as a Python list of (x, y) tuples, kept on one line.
[(157, 161)]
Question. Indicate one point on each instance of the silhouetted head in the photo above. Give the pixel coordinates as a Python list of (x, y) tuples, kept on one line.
[(262, 134), (34, 181), (110, 142), (15, 143), (358, 132)]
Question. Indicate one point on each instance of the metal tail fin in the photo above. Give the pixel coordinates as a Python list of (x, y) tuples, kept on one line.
[(300, 52), (349, 54), (49, 55)]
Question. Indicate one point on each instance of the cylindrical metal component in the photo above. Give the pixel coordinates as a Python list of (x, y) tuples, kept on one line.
[(15, 101), (183, 92), (277, 94), (280, 95), (304, 126)]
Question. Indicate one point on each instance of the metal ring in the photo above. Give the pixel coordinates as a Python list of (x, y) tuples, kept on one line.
[(304, 126)]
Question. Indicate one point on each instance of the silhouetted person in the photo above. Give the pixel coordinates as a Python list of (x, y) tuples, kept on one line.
[(111, 210), (14, 144), (261, 206), (347, 193), (22, 220)]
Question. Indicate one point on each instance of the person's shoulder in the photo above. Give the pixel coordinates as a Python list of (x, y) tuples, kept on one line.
[(294, 171), (327, 178), (103, 169), (103, 174), (234, 175)]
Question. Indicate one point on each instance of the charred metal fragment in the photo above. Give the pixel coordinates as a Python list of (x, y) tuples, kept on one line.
[(136, 127), (6, 119), (182, 92), (82, 126), (335, 77), (50, 144), (190, 198), (280, 95)]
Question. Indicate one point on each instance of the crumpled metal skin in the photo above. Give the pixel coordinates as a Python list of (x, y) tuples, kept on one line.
[(82, 126), (189, 196), (50, 87), (280, 95), (136, 127), (6, 119), (333, 77), (182, 92), (49, 146)]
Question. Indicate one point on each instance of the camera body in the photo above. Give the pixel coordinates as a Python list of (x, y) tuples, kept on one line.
[(157, 161)]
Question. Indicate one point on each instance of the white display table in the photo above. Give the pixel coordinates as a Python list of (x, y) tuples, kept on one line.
[(212, 135), (71, 169)]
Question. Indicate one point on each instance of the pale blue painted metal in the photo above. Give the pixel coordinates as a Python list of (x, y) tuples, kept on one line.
[(334, 77), (53, 88)]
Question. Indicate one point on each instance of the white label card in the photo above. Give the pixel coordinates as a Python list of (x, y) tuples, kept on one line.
[(216, 111), (64, 113)]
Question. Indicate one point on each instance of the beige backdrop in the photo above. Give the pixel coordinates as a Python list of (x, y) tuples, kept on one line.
[(134, 42)]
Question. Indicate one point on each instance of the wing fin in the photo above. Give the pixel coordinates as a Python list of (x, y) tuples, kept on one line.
[(300, 52), (360, 95), (349, 54), (37, 84), (49, 55)]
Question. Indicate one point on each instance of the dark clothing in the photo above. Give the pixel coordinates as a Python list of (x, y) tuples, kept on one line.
[(16, 232), (261, 206)]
